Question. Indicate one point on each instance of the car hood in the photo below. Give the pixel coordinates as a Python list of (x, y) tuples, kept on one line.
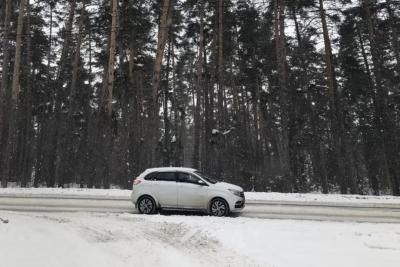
[(224, 185)]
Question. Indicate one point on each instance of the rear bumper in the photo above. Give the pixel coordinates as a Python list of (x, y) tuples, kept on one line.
[(133, 198)]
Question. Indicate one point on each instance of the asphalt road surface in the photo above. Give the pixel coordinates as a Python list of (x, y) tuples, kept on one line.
[(374, 213)]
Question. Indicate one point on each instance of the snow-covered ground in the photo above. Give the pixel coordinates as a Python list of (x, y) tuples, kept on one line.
[(66, 192), (101, 239), (250, 196), (324, 198)]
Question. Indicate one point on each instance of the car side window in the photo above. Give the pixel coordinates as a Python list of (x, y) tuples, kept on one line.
[(166, 176), (151, 176), (187, 178)]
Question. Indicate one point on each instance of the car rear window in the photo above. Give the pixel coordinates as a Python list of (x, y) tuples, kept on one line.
[(151, 176)]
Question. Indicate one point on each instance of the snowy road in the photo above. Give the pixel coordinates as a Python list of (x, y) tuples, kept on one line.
[(350, 212)]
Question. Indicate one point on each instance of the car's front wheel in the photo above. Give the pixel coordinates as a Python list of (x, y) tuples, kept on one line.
[(219, 208), (146, 205)]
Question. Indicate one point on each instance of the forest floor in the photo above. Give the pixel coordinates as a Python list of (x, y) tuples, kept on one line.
[(81, 239)]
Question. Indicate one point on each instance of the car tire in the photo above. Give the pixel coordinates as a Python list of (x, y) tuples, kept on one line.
[(146, 205), (219, 207)]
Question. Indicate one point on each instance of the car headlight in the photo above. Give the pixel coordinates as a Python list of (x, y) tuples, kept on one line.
[(235, 192)]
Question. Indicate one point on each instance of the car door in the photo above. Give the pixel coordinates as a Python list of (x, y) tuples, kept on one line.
[(191, 194), (167, 189)]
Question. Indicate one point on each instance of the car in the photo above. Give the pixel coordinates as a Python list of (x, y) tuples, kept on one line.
[(178, 188)]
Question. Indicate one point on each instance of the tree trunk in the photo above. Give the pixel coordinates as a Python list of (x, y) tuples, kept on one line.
[(76, 62), (221, 120), (12, 106), (107, 93), (25, 173), (221, 91), (167, 138), (165, 23), (335, 108), (316, 150), (199, 90), (208, 98), (391, 179), (105, 114), (280, 41), (67, 153), (381, 155), (5, 69), (59, 123)]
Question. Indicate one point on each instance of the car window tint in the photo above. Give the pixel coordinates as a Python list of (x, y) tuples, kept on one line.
[(151, 176), (183, 177), (187, 178), (194, 179), (166, 176)]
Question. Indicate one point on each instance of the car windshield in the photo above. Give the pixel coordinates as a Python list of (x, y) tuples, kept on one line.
[(205, 177)]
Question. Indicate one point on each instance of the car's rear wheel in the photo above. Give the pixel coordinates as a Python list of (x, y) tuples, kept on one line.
[(146, 205), (219, 208)]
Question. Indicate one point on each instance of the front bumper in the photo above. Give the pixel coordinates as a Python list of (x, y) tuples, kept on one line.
[(239, 203)]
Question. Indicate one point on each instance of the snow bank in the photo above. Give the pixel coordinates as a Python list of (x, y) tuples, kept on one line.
[(104, 240), (66, 192), (315, 197)]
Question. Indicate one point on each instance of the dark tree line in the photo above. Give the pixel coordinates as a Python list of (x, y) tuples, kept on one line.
[(292, 96)]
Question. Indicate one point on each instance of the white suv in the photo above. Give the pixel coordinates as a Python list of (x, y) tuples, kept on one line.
[(184, 189)]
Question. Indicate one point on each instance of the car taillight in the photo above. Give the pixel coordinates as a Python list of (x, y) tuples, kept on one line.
[(137, 181)]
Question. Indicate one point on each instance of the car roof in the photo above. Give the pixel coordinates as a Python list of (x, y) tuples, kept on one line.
[(168, 169)]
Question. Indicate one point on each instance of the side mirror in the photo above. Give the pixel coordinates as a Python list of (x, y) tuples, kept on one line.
[(201, 182)]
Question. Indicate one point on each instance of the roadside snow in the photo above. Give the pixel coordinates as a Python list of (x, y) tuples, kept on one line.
[(104, 240), (250, 196), (316, 197), (98, 239), (66, 192), (288, 243)]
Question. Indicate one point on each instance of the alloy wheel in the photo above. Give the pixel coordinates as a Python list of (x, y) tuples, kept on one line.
[(146, 206), (218, 208)]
